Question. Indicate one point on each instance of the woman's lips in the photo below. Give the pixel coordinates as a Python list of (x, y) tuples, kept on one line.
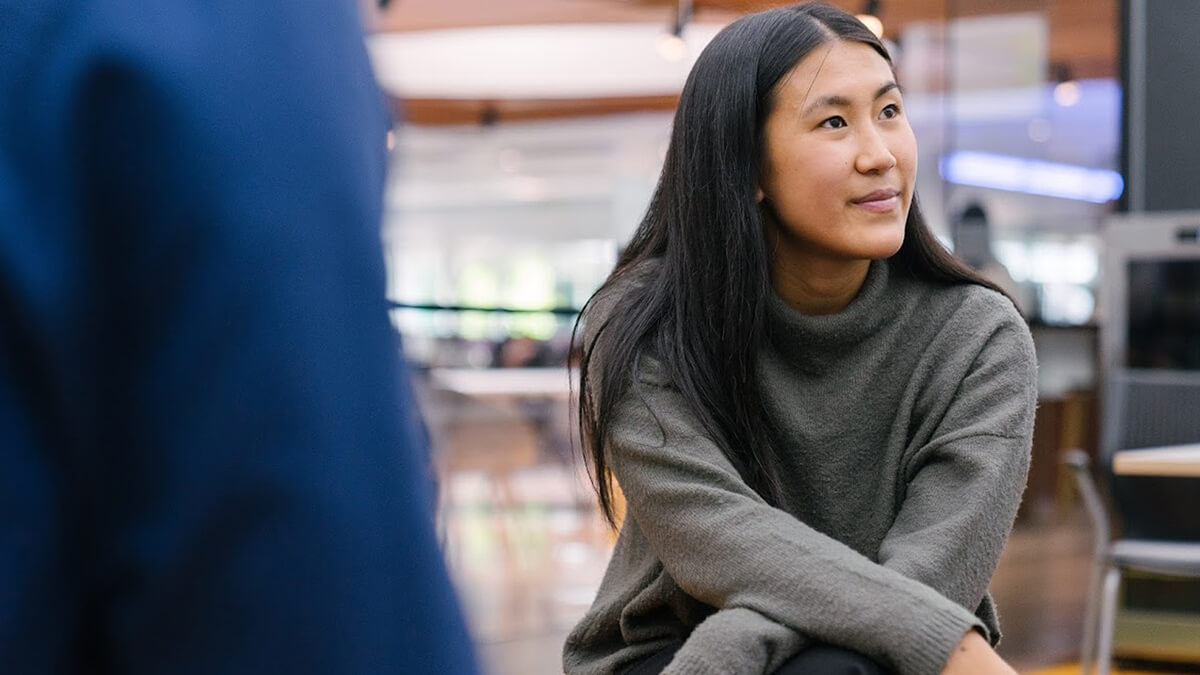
[(880, 201)]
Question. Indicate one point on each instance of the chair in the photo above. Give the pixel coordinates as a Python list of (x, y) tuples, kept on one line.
[(1144, 408)]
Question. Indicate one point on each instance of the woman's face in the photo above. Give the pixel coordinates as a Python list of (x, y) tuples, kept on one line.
[(840, 159)]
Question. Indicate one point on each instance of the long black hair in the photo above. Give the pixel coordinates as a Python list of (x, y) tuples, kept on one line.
[(703, 314)]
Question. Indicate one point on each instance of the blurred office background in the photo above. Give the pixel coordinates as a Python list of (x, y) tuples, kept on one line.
[(533, 132)]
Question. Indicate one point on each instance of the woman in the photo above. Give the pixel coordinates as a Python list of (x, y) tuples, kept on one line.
[(820, 420)]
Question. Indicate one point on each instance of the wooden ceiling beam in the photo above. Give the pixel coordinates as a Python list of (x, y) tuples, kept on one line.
[(430, 111), (1082, 37)]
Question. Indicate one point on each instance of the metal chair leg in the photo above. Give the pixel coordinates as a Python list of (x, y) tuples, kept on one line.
[(1087, 656), (1108, 616)]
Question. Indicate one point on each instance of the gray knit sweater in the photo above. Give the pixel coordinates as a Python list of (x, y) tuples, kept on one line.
[(905, 424)]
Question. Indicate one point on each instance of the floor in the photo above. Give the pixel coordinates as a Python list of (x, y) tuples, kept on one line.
[(527, 548)]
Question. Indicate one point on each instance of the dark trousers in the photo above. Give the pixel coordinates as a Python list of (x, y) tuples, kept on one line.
[(816, 660)]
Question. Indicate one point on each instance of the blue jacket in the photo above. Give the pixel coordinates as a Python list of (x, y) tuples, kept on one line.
[(204, 461)]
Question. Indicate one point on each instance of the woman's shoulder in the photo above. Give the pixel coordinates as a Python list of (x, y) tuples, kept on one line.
[(989, 306), (968, 304), (967, 326), (635, 275), (967, 319), (609, 297), (608, 301)]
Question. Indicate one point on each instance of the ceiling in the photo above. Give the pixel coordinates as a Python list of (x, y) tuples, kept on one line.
[(1081, 42)]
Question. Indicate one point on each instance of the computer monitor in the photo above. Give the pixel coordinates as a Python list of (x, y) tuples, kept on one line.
[(1150, 292)]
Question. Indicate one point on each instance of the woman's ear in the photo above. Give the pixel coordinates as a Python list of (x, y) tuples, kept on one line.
[(759, 196)]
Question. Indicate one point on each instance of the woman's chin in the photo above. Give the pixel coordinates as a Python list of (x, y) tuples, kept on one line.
[(882, 247)]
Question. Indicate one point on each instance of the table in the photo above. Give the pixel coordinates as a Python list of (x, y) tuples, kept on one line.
[(1181, 461), (535, 382)]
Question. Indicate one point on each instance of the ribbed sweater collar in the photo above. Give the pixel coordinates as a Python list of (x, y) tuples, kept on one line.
[(812, 341)]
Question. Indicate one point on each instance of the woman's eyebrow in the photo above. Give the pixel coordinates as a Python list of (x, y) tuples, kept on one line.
[(838, 101)]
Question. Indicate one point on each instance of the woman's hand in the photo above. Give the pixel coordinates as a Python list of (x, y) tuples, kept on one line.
[(974, 656)]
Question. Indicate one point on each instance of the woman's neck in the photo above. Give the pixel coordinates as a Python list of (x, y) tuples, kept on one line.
[(818, 287)]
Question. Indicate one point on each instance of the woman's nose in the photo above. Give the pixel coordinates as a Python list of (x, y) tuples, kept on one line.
[(874, 155)]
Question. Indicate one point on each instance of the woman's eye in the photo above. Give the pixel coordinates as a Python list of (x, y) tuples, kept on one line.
[(834, 123), (889, 111)]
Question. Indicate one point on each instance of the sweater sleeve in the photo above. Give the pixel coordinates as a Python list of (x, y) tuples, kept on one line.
[(726, 547), (964, 485), (736, 641)]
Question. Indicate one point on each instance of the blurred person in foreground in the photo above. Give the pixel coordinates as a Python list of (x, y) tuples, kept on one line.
[(821, 420), (206, 461)]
